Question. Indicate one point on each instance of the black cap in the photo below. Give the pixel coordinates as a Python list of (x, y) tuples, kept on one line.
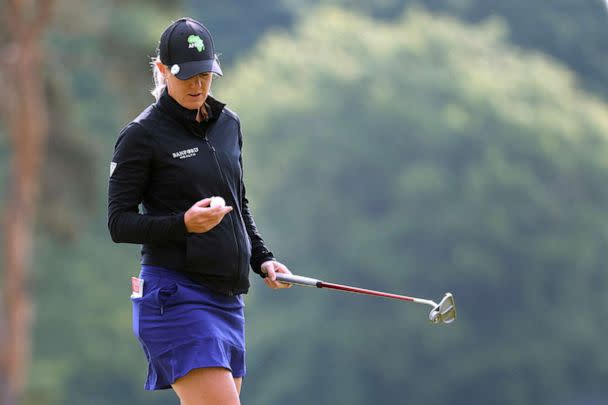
[(187, 48)]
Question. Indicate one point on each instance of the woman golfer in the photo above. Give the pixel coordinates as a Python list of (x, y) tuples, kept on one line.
[(176, 155)]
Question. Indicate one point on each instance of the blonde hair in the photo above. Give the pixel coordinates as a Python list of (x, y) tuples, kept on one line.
[(159, 79)]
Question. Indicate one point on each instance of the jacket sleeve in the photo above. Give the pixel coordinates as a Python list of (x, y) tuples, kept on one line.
[(259, 251), (129, 174)]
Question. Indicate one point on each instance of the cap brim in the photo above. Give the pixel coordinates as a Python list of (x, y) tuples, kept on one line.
[(189, 69)]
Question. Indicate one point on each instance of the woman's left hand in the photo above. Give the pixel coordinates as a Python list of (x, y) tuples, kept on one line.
[(272, 267)]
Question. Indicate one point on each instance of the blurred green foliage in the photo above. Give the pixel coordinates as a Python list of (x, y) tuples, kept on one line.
[(409, 152), (572, 31), (419, 156)]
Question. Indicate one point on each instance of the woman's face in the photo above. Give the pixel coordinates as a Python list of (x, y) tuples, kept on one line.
[(190, 93)]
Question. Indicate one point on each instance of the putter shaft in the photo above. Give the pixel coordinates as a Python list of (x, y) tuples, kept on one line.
[(444, 312)]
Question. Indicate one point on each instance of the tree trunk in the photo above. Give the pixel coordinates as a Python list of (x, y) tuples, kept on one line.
[(26, 112)]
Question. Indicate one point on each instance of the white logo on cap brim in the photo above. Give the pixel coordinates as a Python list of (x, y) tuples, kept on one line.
[(175, 69)]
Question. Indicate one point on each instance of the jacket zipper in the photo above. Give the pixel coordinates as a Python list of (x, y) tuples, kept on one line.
[(236, 241)]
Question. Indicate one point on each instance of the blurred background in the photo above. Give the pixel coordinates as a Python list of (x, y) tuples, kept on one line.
[(411, 146)]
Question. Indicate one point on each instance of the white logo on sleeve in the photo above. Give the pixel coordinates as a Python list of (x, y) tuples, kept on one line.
[(185, 154), (112, 167)]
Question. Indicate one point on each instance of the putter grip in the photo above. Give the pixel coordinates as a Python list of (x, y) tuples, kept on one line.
[(293, 279)]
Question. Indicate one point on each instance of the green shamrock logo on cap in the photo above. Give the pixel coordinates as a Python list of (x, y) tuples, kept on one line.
[(196, 42)]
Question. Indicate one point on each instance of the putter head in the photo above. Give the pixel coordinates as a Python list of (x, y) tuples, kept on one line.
[(445, 311)]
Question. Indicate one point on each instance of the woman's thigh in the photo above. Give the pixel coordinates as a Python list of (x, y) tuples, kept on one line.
[(238, 382), (207, 386)]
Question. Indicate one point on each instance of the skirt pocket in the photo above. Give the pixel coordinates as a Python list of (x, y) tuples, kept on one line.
[(152, 305), (164, 296)]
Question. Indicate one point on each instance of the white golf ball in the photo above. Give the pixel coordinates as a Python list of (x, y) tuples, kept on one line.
[(217, 202)]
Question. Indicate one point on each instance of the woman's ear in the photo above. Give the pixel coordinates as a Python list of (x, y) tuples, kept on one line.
[(162, 68)]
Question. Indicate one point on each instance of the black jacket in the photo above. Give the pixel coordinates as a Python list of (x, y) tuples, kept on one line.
[(167, 161)]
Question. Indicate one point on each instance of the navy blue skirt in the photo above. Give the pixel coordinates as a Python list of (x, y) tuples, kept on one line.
[(182, 325)]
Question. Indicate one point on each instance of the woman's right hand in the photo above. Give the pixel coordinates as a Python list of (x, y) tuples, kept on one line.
[(201, 217)]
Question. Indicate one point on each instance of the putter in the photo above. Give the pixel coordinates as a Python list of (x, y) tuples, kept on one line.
[(444, 312)]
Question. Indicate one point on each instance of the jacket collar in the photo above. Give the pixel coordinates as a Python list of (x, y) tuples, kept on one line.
[(186, 116)]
